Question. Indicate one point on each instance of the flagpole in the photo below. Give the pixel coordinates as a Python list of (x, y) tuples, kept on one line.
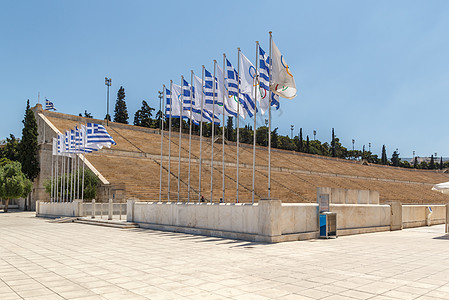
[(71, 179), (84, 163), (269, 124), (162, 144), (68, 178), (213, 133), (190, 132), (238, 121), (52, 177), (223, 139), (180, 133), (78, 162), (63, 175), (169, 139), (201, 134), (255, 114), (56, 189), (58, 171)]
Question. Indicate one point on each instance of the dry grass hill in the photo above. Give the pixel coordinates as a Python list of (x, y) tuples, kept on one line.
[(135, 163)]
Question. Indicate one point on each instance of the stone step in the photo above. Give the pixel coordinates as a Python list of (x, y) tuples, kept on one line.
[(63, 220), (107, 223)]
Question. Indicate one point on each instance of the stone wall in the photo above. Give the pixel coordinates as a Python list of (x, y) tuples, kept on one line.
[(361, 218), (59, 209), (266, 221), (348, 196), (420, 215)]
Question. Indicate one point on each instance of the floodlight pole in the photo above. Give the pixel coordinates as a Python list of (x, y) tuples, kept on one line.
[(107, 82)]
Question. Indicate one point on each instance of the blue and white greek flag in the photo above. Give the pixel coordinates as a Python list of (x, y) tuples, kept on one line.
[(232, 78), (230, 106), (167, 102), (173, 102), (187, 101), (210, 96), (97, 135), (198, 92), (264, 78), (49, 105)]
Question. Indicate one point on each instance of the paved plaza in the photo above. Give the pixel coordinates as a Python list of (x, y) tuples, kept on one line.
[(43, 260)]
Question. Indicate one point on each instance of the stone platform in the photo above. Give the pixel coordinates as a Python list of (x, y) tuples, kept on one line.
[(42, 260)]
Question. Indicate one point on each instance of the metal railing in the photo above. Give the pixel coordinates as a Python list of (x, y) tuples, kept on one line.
[(108, 210)]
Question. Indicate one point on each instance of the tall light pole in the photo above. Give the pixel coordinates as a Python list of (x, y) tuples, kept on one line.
[(161, 95), (107, 82), (291, 129), (314, 134)]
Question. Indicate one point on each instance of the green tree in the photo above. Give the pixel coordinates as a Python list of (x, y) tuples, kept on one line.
[(246, 134), (340, 150), (157, 120), (441, 163), (262, 136), (274, 138), (307, 145), (88, 114), (120, 111), (384, 159), (404, 164), (28, 146), (395, 159), (317, 148), (91, 183), (415, 163), (142, 117), (13, 183), (11, 149), (286, 143)]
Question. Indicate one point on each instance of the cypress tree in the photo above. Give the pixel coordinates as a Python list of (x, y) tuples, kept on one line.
[(307, 145), (28, 146), (120, 111), (384, 159), (301, 142), (230, 129), (432, 163), (334, 152), (415, 162), (441, 163)]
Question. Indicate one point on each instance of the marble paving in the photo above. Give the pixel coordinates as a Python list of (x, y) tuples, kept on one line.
[(42, 260)]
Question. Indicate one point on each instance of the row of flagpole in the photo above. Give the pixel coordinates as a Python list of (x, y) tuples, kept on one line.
[(65, 160), (281, 84)]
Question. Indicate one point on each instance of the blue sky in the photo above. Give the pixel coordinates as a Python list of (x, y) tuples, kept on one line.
[(376, 71)]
